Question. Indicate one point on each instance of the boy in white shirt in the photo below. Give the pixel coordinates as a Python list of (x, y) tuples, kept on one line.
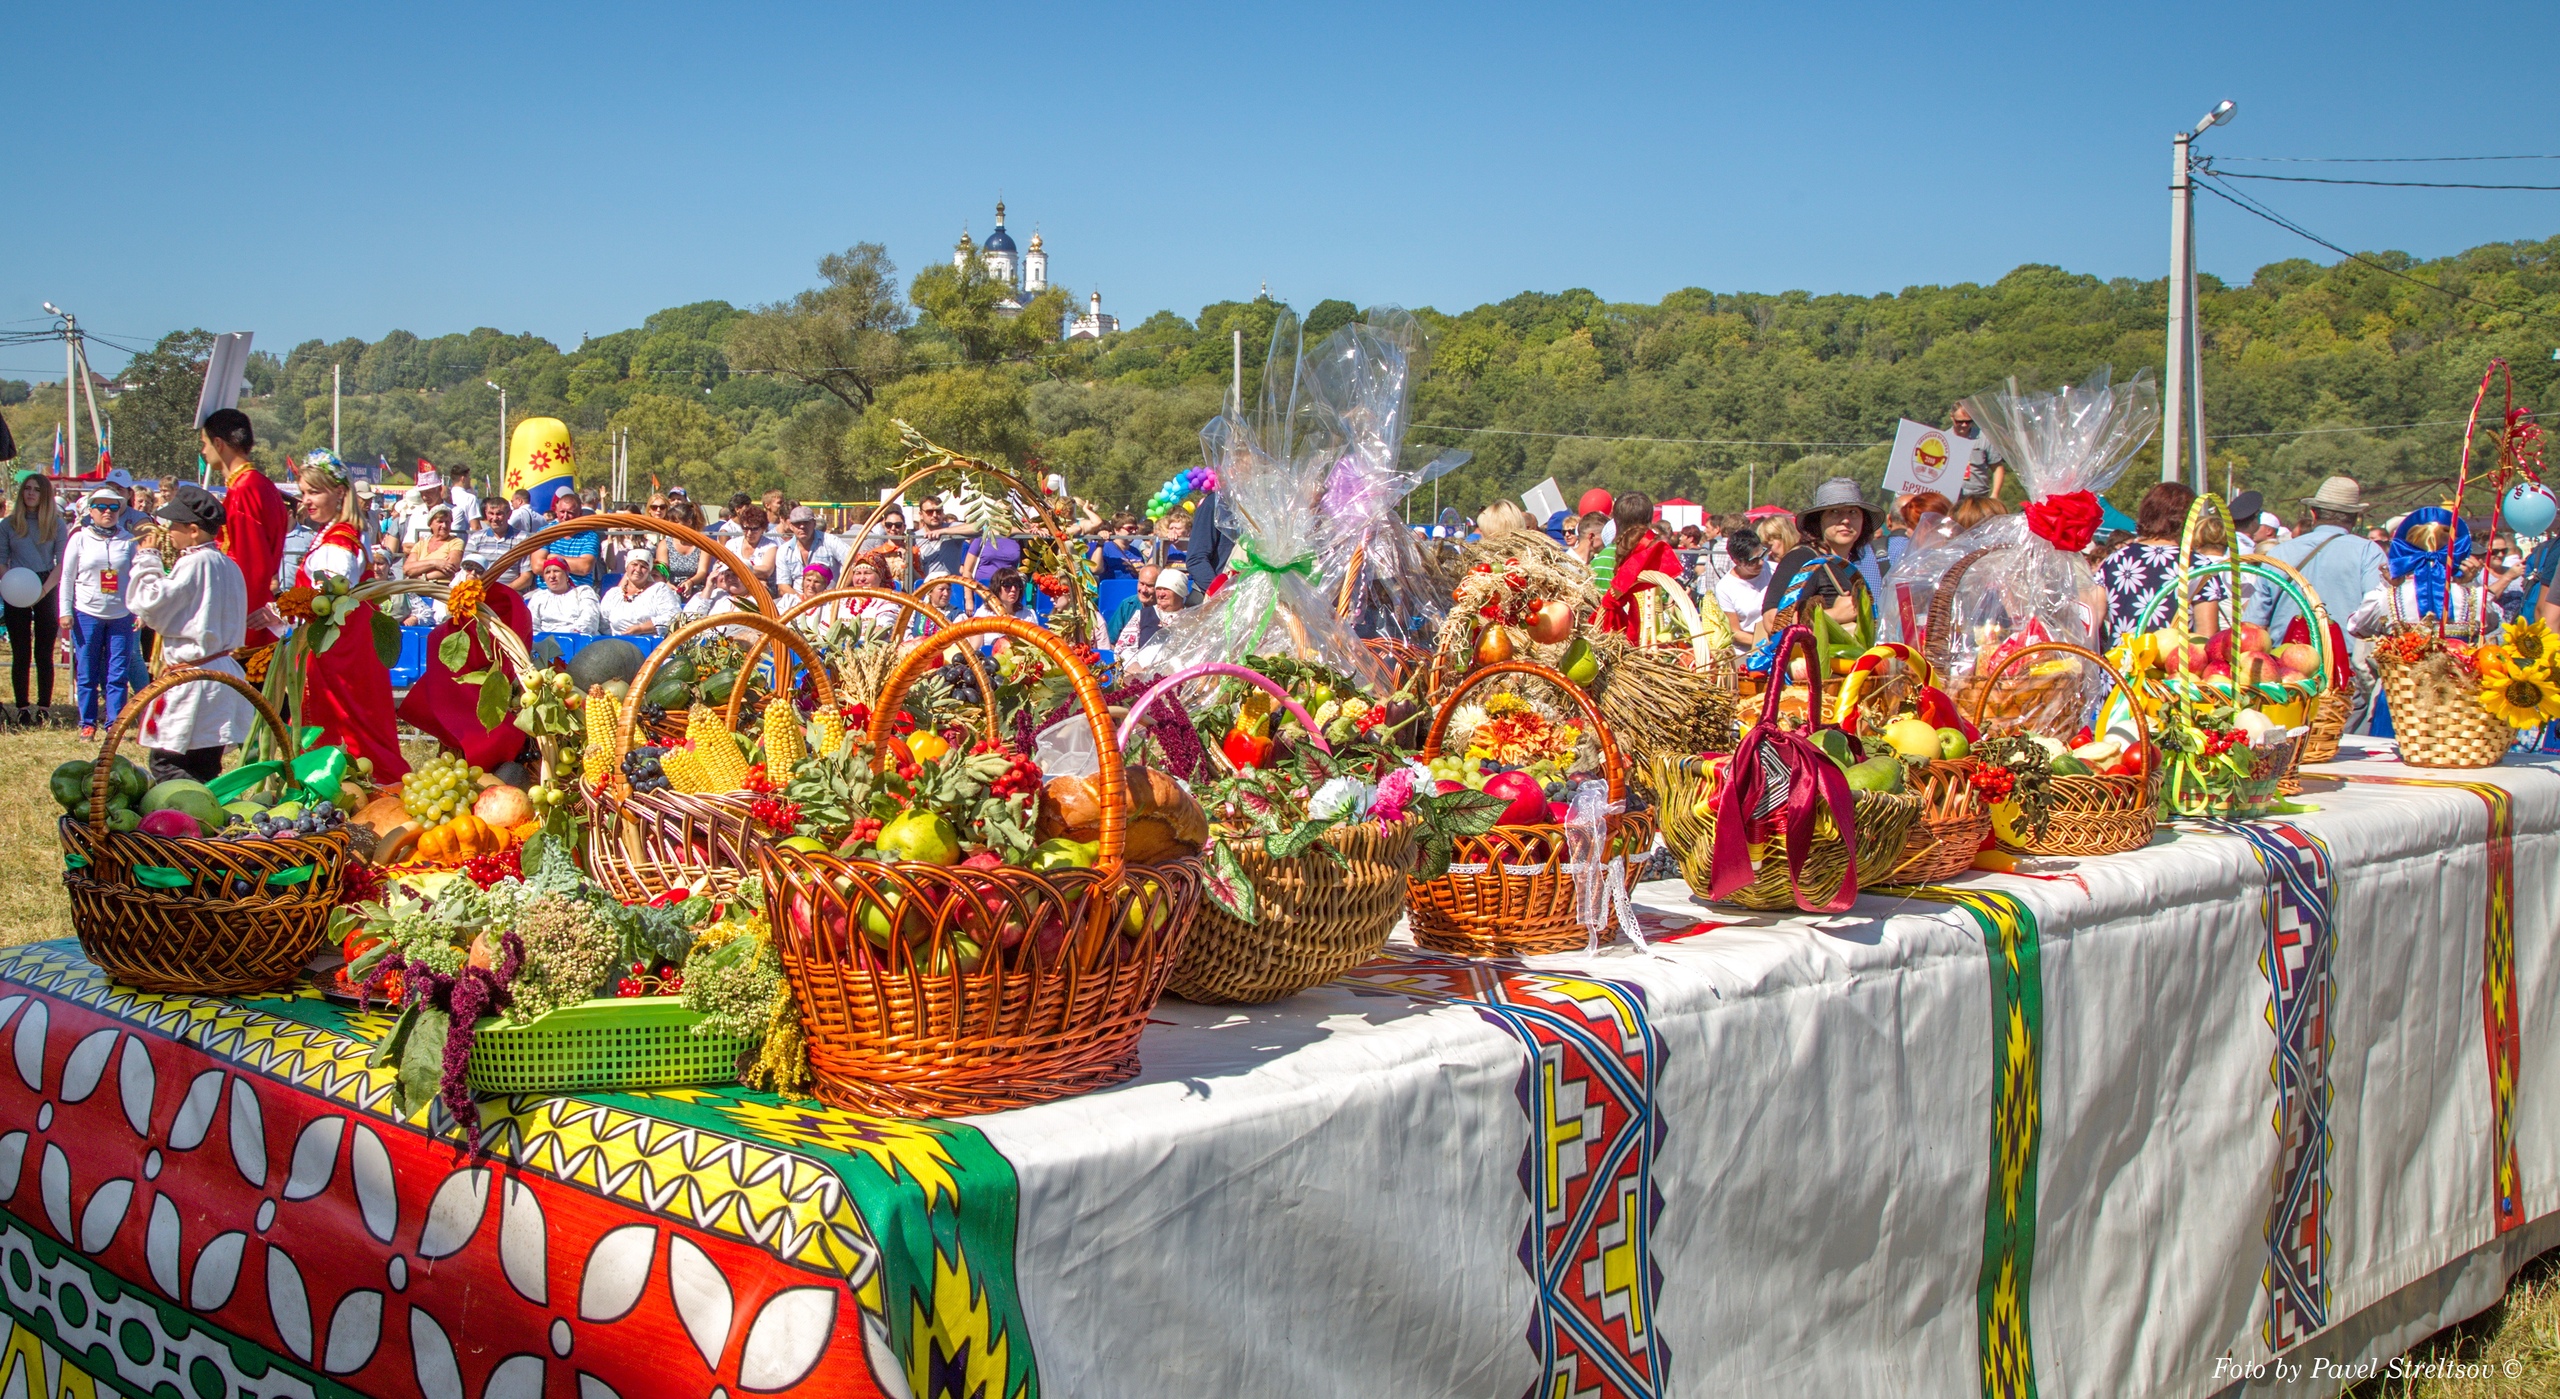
[(197, 601)]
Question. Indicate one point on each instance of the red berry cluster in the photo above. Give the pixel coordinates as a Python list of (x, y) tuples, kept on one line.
[(1994, 783), (636, 982), (2223, 741), (359, 882), (778, 816), (1021, 778), (865, 830), (485, 870), (758, 781)]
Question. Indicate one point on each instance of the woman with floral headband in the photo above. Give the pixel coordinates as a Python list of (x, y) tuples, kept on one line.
[(346, 690)]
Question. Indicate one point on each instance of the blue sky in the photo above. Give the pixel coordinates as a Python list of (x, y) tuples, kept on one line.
[(345, 170)]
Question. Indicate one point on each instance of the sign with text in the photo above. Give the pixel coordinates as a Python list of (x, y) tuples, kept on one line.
[(1925, 458)]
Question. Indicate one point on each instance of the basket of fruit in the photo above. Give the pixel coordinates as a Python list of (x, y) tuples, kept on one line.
[(1525, 886), (981, 939), (2042, 697), (2100, 798), (685, 814), (169, 892), (1764, 828), (1307, 855), (1936, 746)]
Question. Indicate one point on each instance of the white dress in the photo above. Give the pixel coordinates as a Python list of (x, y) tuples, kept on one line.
[(573, 612), (200, 608), (657, 605), (2466, 603)]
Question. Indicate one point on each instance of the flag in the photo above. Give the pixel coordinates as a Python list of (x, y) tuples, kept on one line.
[(106, 463), (425, 465), (57, 449)]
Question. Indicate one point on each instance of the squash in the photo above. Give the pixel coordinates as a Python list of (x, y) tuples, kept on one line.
[(384, 813), (397, 846)]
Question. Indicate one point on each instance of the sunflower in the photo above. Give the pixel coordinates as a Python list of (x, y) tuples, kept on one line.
[(2522, 698), (2530, 645)]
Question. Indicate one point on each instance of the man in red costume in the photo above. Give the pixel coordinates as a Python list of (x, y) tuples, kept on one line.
[(253, 513)]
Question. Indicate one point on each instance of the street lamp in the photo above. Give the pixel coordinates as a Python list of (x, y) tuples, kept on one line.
[(501, 477), (2182, 418)]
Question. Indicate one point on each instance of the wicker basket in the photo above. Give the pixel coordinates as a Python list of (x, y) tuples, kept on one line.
[(1520, 899), (642, 844), (1881, 823), (2438, 719), (2091, 814), (2319, 742), (197, 915), (1319, 914), (1953, 822), (621, 1043), (2250, 797), (2026, 698), (996, 988)]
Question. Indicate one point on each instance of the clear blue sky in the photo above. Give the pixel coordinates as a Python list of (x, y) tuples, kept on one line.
[(345, 170)]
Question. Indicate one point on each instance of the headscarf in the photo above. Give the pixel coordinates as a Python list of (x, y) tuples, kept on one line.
[(2428, 566)]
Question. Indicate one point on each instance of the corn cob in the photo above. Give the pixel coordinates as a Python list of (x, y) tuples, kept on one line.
[(828, 726), (783, 746), (683, 768), (724, 768), (604, 729)]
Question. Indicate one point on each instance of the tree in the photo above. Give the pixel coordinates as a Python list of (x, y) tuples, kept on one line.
[(841, 337), (676, 440), (966, 305), (981, 412), (155, 415)]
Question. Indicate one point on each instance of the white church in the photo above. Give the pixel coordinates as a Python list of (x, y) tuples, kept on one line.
[(1026, 272)]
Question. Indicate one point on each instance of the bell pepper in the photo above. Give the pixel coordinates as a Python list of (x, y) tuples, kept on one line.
[(1248, 742)]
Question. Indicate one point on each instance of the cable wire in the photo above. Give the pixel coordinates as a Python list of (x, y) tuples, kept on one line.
[(2382, 184), (2248, 205), (2373, 159)]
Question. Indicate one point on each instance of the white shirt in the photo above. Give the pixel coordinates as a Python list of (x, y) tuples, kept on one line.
[(657, 605), (88, 561), (575, 612), (790, 559), (1742, 598), (200, 608), (466, 505)]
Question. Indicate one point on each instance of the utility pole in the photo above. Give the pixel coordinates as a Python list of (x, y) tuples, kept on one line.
[(502, 432), (70, 388), (1235, 394), (334, 386), (2182, 421)]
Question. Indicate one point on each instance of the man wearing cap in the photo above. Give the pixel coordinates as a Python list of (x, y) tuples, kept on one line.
[(803, 544), (254, 514), (425, 502), (96, 562), (2341, 566), (197, 598)]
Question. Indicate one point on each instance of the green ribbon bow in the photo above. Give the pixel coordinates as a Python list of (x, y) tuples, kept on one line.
[(1304, 565)]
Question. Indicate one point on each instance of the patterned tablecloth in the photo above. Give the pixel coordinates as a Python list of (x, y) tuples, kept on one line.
[(2257, 1094)]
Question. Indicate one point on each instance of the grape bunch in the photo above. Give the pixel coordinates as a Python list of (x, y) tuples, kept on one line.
[(439, 789), (319, 818), (642, 767), (1447, 769), (652, 715), (963, 682)]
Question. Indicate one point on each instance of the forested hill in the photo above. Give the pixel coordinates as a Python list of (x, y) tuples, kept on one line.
[(1680, 397)]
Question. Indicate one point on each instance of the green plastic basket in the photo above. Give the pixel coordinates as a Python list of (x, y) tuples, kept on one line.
[(624, 1042)]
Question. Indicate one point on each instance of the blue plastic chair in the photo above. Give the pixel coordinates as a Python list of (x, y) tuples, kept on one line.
[(413, 657)]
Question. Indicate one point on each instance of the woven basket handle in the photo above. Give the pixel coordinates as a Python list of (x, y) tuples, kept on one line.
[(2207, 507), (1991, 681), (140, 705), (1853, 686), (1612, 766), (2306, 601), (1173, 682), (972, 467), (1797, 634), (531, 544), (1942, 608), (649, 666), (914, 607), (1111, 779)]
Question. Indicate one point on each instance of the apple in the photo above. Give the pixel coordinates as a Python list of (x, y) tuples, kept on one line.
[(1551, 622), (2252, 637), (1528, 801), (2301, 657)]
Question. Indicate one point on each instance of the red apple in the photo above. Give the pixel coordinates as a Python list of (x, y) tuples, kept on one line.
[(1528, 801), (2301, 657), (1551, 622)]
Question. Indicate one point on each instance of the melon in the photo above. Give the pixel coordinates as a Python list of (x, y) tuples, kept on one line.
[(603, 662), (192, 797)]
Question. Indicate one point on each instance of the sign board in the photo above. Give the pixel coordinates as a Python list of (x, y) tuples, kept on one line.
[(1543, 500), (225, 374), (1925, 458)]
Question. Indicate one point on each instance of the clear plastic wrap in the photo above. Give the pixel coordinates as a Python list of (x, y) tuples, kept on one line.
[(1274, 462), (2036, 584), (1362, 378)]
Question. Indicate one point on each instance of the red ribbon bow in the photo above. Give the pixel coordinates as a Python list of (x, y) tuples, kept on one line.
[(1812, 778), (2069, 521)]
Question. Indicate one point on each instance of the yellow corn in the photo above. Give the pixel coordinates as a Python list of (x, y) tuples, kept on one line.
[(783, 746), (604, 724), (683, 768), (829, 728), (724, 768)]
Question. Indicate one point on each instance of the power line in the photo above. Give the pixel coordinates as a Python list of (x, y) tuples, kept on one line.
[(2384, 184), (2372, 159), (2248, 205), (1682, 441)]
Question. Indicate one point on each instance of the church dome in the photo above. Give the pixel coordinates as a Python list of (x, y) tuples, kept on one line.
[(999, 241)]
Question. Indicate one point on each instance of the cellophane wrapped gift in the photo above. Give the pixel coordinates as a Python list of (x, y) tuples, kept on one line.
[(1273, 459), (2037, 584), (1362, 377)]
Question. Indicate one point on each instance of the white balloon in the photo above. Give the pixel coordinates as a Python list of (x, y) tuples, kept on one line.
[(21, 587)]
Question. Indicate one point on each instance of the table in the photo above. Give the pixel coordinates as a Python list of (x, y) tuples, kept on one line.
[(2247, 1099)]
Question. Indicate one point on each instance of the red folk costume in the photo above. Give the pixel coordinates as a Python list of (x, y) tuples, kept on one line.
[(347, 689), (253, 526), (1618, 610)]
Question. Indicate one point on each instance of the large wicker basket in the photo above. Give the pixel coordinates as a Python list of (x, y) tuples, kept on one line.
[(1318, 914), (996, 988), (642, 844), (1953, 822), (2438, 719), (1880, 827), (2092, 814), (1510, 892), (197, 915)]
